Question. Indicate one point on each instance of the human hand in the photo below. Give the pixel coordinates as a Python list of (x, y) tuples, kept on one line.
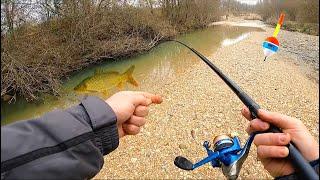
[(271, 147), (131, 107)]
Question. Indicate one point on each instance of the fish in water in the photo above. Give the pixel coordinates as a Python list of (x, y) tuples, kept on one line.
[(104, 82)]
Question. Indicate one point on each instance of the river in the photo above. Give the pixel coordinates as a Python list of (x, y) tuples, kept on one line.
[(152, 69)]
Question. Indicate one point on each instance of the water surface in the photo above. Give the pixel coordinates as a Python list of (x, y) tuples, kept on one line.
[(153, 69)]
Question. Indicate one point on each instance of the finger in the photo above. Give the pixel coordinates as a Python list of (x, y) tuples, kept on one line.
[(272, 139), (141, 111), (257, 125), (139, 99), (272, 151), (137, 121), (246, 113), (277, 119), (157, 99), (131, 129)]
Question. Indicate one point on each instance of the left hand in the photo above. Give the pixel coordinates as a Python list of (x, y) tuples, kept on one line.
[(271, 147), (131, 107)]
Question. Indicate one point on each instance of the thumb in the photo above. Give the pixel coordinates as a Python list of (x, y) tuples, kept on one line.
[(139, 99), (157, 99)]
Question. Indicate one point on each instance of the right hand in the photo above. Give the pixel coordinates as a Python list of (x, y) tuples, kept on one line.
[(271, 147), (131, 108)]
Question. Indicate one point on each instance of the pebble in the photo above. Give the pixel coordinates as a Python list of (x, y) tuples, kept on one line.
[(193, 134), (183, 146), (133, 160)]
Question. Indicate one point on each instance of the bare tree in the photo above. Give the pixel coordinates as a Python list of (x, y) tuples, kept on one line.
[(9, 8)]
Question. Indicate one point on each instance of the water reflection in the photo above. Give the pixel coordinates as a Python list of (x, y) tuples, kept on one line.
[(153, 69), (162, 70), (228, 42)]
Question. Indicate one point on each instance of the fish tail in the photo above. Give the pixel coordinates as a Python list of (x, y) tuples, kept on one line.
[(132, 81), (130, 70), (130, 78)]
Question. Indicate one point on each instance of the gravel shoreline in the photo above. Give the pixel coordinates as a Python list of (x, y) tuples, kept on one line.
[(200, 102), (303, 49)]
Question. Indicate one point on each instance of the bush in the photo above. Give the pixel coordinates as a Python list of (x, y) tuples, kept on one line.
[(308, 28), (36, 57), (300, 16)]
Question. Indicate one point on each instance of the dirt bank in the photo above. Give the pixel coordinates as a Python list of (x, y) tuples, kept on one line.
[(200, 101)]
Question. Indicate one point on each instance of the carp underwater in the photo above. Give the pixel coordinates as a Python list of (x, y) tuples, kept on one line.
[(104, 82)]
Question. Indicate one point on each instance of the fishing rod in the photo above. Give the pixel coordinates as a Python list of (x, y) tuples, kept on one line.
[(231, 146)]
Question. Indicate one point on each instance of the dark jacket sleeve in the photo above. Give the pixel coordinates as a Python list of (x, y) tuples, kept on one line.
[(67, 144)]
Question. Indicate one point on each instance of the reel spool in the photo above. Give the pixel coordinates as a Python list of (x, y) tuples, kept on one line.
[(221, 142)]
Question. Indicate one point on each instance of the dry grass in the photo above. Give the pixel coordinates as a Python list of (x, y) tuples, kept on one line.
[(300, 16), (252, 16), (35, 58), (308, 28)]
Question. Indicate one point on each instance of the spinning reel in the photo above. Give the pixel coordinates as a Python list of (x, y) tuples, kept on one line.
[(226, 153)]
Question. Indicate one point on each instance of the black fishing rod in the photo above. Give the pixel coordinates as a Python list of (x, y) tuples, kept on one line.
[(301, 164)]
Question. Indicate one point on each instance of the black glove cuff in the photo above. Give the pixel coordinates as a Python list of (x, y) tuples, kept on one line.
[(107, 138), (103, 121)]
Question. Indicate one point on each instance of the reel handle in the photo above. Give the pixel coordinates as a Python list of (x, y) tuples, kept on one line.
[(183, 163)]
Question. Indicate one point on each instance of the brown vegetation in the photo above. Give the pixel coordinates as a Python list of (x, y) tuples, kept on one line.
[(236, 8), (68, 35), (301, 16)]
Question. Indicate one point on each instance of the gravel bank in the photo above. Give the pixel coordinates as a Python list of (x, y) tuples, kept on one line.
[(303, 49), (201, 102)]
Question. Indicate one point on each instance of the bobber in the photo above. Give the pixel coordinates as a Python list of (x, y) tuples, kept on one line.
[(271, 44)]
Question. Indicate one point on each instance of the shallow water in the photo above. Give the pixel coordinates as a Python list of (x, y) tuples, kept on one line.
[(153, 69)]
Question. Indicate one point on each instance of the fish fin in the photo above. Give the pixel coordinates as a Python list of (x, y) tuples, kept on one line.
[(130, 78), (113, 72), (98, 71), (102, 71), (120, 86), (105, 93), (130, 70), (92, 91), (132, 81)]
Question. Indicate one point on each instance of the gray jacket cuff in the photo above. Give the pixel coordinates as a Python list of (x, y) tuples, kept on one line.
[(104, 123)]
